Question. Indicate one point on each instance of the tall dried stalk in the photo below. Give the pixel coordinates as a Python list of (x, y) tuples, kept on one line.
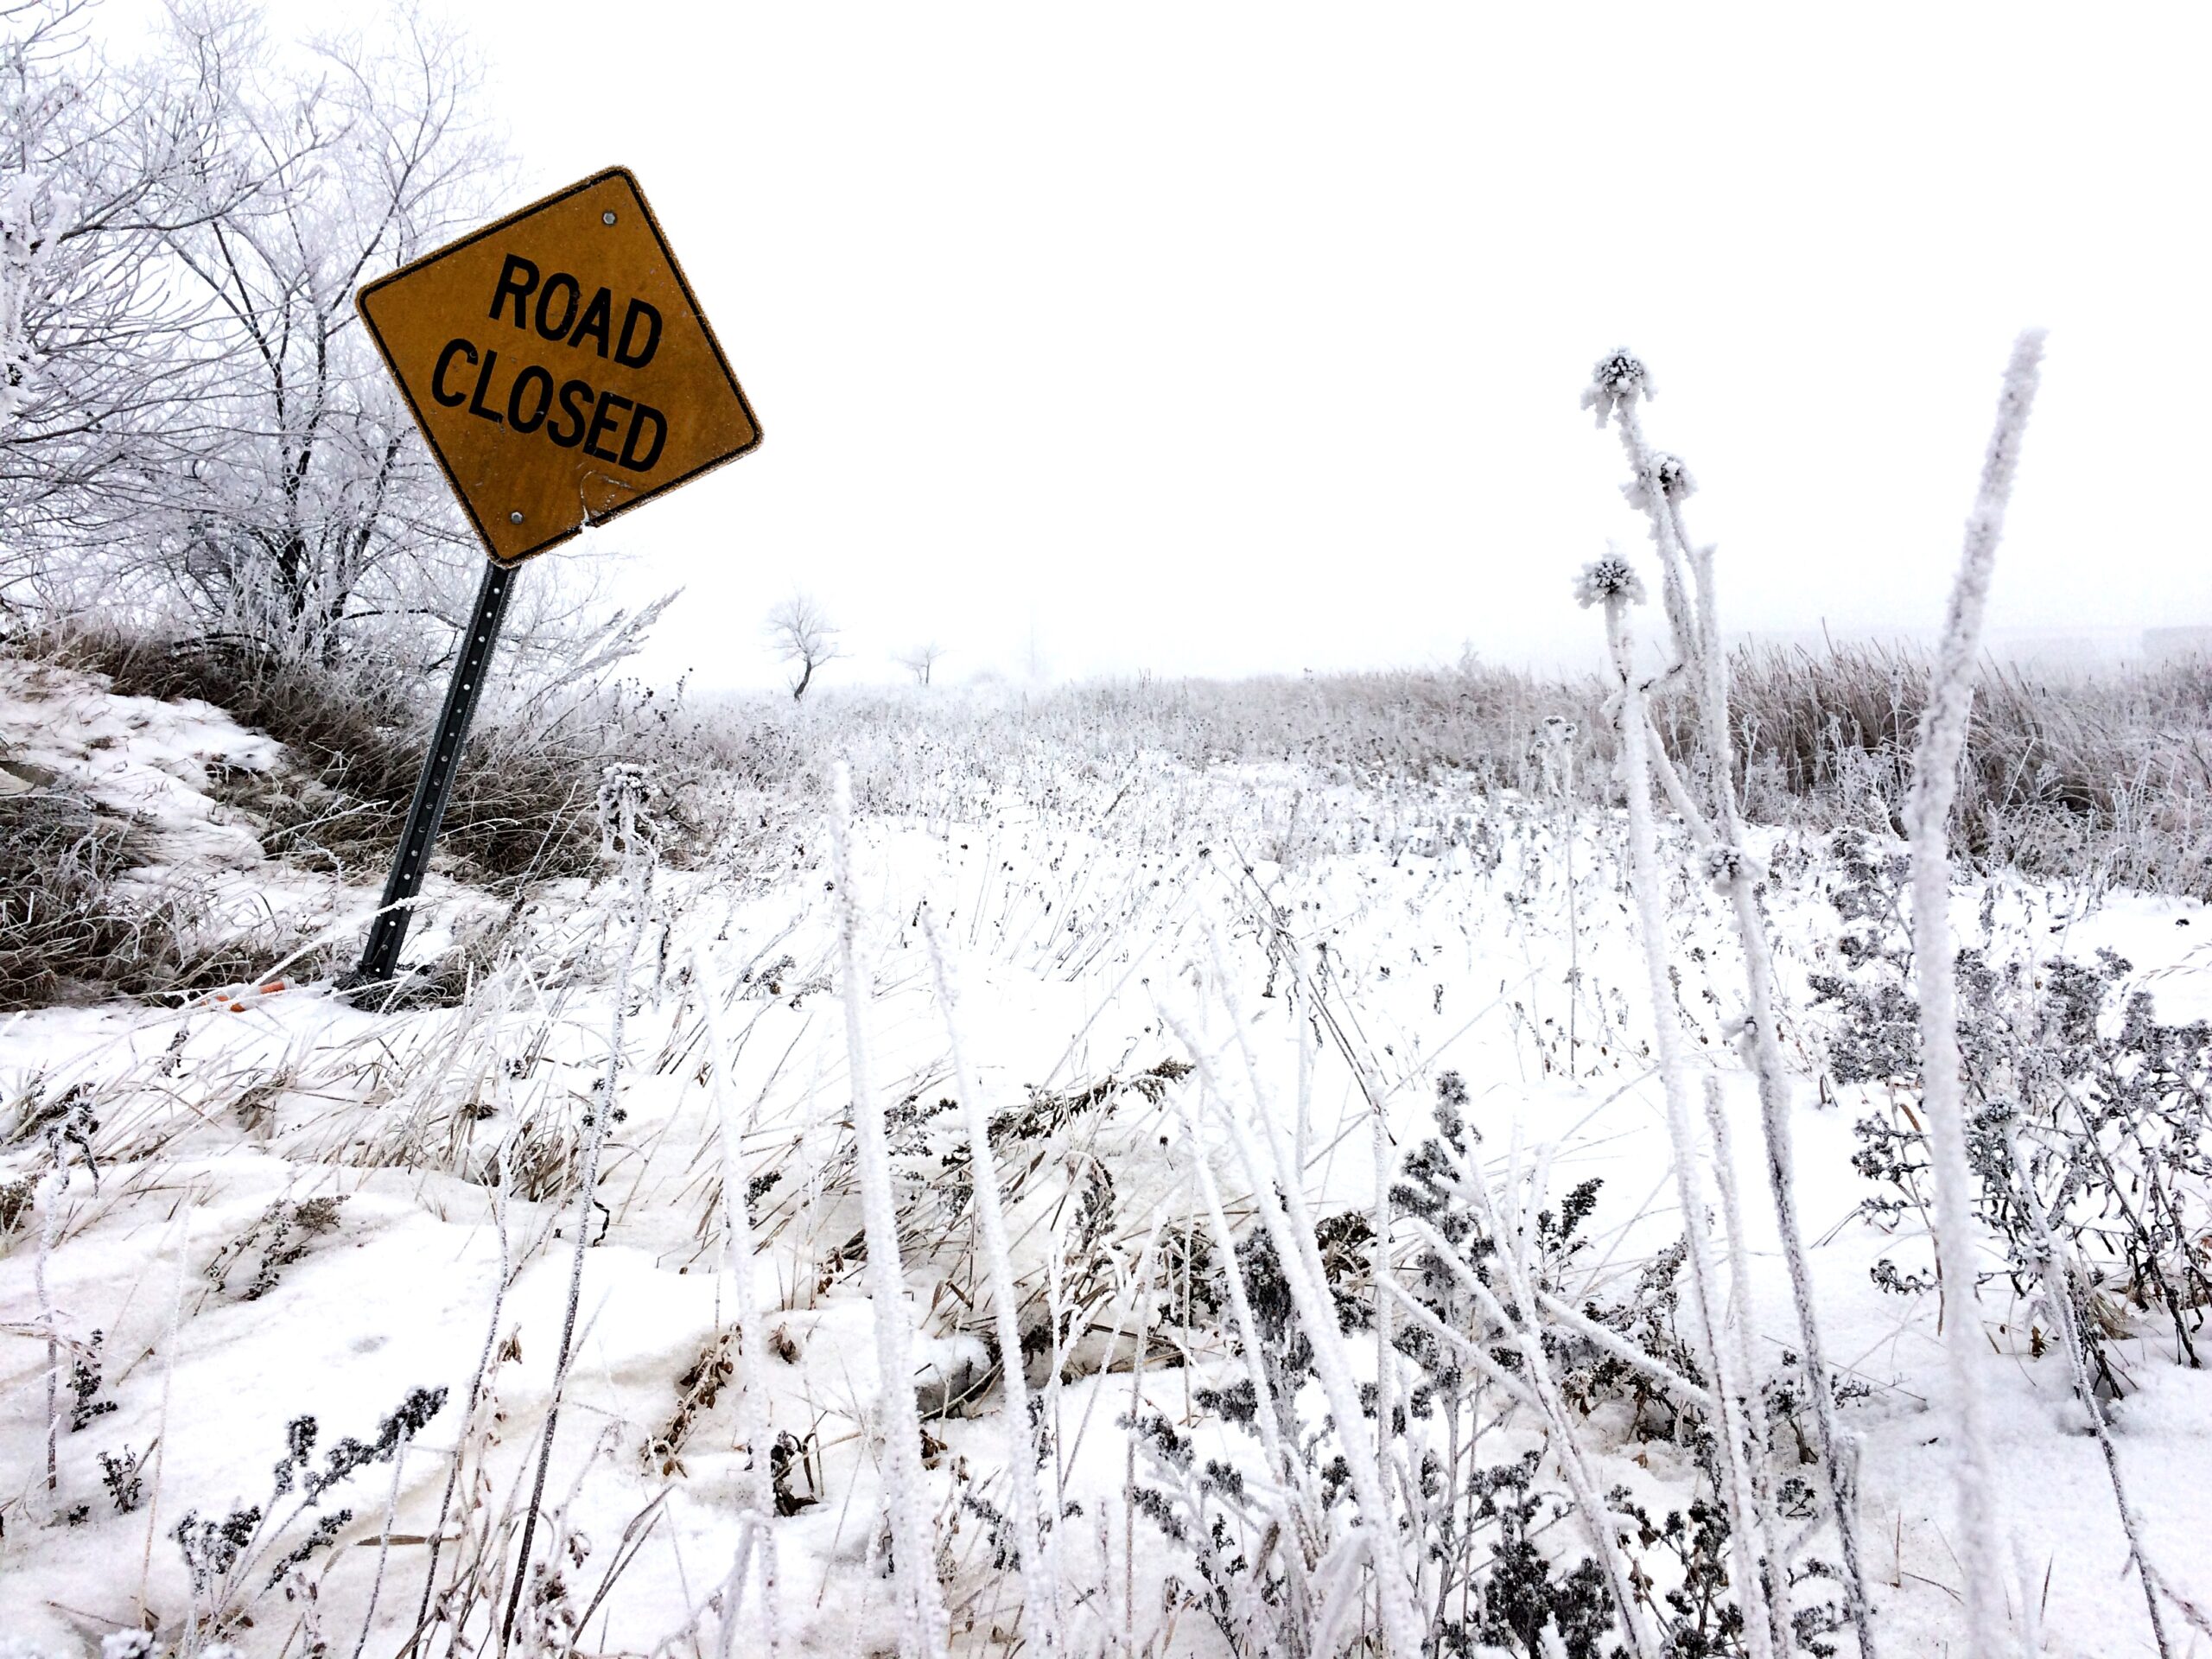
[(1040, 1589), (623, 832), (924, 1623), (1658, 485), (751, 1346), (1928, 809), (1762, 1584)]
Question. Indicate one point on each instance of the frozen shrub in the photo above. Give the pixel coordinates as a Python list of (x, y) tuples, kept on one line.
[(224, 1559), (85, 1384), (284, 1232), (354, 730), (2107, 1104), (120, 1473), (1527, 1605)]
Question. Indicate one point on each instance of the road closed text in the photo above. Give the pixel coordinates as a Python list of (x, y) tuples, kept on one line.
[(566, 407)]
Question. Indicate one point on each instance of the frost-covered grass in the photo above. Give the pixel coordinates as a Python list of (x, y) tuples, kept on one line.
[(1419, 1165), (352, 732), (346, 1176), (2099, 778)]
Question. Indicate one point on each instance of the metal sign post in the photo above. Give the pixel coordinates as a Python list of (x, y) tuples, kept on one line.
[(380, 957), (561, 371)]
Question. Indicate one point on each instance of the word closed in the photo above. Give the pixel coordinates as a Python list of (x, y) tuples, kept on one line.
[(559, 365)]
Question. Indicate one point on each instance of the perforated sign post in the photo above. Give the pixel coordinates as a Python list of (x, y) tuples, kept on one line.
[(562, 373)]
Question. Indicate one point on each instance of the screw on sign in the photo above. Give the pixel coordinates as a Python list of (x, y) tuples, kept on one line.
[(562, 371)]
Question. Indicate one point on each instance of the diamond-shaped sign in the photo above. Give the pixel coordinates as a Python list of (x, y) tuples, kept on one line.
[(559, 365)]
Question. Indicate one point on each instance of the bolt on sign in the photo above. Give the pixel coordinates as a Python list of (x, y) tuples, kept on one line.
[(559, 367)]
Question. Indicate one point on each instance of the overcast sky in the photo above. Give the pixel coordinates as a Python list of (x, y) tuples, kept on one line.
[(1216, 339)]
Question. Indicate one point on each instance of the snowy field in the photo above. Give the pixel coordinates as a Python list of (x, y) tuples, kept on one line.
[(1283, 1129), (279, 1207)]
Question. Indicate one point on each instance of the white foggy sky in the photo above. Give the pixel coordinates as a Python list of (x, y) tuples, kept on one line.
[(1216, 338)]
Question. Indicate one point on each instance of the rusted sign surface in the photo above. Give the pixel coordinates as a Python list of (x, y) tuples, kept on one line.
[(559, 367)]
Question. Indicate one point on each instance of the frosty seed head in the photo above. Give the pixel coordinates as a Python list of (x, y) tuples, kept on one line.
[(1672, 478), (1604, 581), (1725, 866), (624, 792), (1620, 379)]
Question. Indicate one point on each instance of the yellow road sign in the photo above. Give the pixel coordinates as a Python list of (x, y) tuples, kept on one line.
[(559, 365)]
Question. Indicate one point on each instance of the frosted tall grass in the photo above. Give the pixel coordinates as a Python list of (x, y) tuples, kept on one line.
[(757, 1537), (1278, 1195), (1928, 809), (1762, 1584), (624, 834), (1658, 485), (1040, 1584), (897, 1429)]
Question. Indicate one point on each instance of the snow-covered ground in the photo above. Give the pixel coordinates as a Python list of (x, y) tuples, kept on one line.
[(159, 766), (297, 1207)]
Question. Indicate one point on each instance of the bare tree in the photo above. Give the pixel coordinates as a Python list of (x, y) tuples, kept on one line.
[(799, 630), (194, 429), (921, 661), (321, 507), (104, 377)]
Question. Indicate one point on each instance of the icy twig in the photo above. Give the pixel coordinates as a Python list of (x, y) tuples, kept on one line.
[(1473, 1352), (1386, 1353), (622, 797), (1629, 1354), (2060, 1296), (1040, 1588), (923, 1624), (383, 1538), (1292, 1234), (1742, 1380), (756, 1537), (169, 1342), (1756, 1580), (1928, 809), (52, 1189), (499, 1195)]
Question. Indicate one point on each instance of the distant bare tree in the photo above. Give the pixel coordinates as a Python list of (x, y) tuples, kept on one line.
[(799, 630), (921, 661)]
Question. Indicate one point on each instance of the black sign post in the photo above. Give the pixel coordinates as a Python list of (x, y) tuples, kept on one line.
[(380, 958)]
